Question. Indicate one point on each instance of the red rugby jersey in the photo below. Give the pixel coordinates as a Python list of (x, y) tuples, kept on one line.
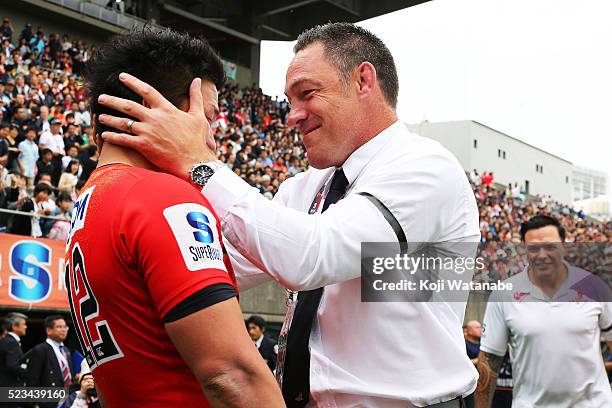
[(140, 243)]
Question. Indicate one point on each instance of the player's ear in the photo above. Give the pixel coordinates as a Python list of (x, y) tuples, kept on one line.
[(98, 141)]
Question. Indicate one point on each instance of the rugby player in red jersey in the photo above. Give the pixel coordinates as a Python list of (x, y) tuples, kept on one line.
[(151, 289)]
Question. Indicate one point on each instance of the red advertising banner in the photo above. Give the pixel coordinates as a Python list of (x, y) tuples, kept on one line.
[(32, 273)]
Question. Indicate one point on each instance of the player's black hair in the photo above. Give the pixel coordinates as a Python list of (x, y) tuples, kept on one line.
[(50, 320), (257, 321), (540, 221), (163, 58), (45, 151), (347, 45)]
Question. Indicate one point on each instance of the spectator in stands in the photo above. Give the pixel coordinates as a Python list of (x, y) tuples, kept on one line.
[(256, 325), (72, 153), (13, 147), (53, 139), (82, 116), (45, 164), (41, 207), (4, 144), (7, 49), (487, 179), (72, 136), (516, 193), (7, 29), (27, 32), (24, 49), (38, 41), (59, 229), (69, 178), (15, 188), (28, 157), (117, 5), (86, 396)]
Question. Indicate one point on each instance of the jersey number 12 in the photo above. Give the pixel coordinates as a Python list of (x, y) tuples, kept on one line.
[(99, 345)]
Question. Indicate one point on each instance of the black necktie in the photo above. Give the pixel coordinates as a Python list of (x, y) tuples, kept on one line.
[(296, 372)]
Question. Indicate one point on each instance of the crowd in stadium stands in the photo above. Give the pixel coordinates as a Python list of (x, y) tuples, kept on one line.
[(46, 141), (47, 151)]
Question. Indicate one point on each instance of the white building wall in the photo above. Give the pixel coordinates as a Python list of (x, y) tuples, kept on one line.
[(453, 135), (589, 183), (552, 176)]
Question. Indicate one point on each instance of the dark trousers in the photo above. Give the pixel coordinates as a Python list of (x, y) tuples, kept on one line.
[(502, 399)]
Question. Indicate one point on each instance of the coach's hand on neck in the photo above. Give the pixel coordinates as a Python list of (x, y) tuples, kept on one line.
[(170, 138)]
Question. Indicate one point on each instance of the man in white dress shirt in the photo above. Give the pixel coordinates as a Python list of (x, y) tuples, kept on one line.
[(371, 181)]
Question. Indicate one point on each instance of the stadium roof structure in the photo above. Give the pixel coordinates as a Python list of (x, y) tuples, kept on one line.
[(235, 27)]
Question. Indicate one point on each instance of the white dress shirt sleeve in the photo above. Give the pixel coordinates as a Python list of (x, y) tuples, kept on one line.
[(298, 250), (248, 275), (495, 334)]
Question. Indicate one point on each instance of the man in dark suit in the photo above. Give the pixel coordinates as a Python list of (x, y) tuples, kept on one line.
[(11, 372), (256, 326), (49, 363)]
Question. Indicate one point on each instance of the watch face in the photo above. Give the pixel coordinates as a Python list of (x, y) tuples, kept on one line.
[(202, 174)]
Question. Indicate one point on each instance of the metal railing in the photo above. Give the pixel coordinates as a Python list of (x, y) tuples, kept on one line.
[(31, 214), (3, 228), (97, 9)]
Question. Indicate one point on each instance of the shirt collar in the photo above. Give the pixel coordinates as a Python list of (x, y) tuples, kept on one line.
[(16, 337), (259, 340), (358, 160), (54, 343), (574, 275)]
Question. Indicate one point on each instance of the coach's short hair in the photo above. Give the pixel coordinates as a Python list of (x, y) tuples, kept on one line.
[(540, 221), (163, 58), (347, 45)]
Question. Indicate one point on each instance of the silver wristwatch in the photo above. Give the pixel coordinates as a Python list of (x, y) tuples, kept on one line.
[(202, 172)]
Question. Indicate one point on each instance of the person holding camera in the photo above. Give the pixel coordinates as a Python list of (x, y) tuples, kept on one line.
[(86, 396)]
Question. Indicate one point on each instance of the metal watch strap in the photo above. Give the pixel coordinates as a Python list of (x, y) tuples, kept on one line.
[(213, 166)]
